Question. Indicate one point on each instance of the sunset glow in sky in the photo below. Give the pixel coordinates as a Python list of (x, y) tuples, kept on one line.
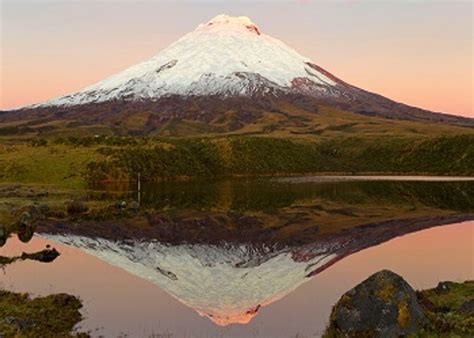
[(415, 52)]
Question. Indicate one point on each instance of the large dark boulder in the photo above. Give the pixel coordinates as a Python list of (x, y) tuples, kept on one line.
[(384, 305)]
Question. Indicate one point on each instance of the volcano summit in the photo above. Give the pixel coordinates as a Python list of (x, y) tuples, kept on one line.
[(227, 56)]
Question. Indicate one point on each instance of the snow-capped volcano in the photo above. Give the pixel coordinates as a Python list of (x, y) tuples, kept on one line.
[(225, 56), (223, 76)]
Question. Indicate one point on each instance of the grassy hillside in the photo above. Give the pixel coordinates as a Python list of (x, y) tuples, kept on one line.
[(293, 139), (209, 157), (60, 165), (76, 162)]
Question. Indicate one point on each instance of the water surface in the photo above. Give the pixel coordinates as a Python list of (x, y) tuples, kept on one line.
[(249, 258)]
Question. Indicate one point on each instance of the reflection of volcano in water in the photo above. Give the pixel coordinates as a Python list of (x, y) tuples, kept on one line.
[(229, 281), (226, 283), (228, 248)]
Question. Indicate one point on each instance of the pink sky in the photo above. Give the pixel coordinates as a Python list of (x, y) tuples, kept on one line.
[(419, 53)]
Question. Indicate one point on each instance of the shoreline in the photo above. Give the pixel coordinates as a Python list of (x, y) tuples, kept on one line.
[(393, 178)]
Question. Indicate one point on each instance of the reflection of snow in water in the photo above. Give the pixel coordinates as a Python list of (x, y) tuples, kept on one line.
[(227, 283)]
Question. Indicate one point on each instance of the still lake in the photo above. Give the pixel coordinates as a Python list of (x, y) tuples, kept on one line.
[(248, 258)]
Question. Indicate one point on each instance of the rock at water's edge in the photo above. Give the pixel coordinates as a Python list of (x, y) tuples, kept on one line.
[(384, 305)]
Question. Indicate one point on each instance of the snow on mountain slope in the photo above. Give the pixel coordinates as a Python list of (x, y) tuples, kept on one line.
[(226, 56), (228, 283)]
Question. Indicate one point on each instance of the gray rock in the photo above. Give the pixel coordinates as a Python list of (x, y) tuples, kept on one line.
[(20, 324), (384, 305), (134, 206), (467, 307)]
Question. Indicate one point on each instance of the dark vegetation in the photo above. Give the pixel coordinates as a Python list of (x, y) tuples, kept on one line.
[(254, 156), (50, 316), (244, 195)]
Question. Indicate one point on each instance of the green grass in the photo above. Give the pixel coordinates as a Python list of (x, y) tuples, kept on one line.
[(58, 165), (444, 310), (456, 294), (51, 316)]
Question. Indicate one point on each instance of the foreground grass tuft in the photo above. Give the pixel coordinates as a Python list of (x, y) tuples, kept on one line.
[(50, 316)]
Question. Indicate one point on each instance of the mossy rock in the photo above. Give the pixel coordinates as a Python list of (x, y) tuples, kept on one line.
[(384, 305)]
